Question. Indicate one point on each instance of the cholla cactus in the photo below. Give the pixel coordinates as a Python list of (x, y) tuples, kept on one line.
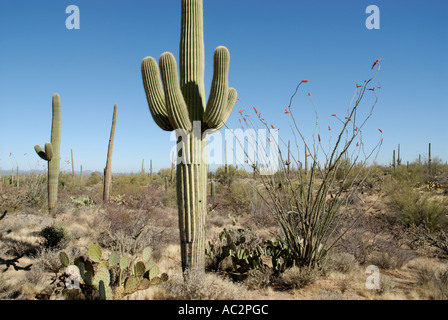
[(181, 106), (51, 154)]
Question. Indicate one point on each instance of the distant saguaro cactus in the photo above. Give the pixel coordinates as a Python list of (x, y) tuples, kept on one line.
[(51, 153), (182, 107), (108, 169)]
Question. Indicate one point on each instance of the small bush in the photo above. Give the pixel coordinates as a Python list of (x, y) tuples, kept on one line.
[(416, 209), (54, 237), (341, 262), (296, 278)]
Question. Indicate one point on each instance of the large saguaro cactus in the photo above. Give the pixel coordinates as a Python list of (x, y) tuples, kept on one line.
[(51, 153), (180, 105)]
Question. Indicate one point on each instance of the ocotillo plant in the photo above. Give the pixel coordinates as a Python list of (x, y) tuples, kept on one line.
[(108, 169), (52, 155), (182, 107)]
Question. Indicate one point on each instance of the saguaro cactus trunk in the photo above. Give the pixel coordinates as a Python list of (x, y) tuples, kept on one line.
[(181, 106), (51, 153), (108, 169)]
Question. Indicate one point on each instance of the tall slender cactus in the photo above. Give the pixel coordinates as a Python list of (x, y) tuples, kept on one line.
[(73, 168), (108, 169), (181, 106), (51, 153)]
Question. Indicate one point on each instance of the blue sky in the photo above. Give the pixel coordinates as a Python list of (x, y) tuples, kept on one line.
[(273, 45)]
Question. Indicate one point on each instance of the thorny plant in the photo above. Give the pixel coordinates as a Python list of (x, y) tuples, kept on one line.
[(309, 205)]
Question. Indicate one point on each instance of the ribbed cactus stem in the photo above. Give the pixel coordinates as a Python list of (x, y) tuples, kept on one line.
[(180, 105), (108, 169), (51, 153)]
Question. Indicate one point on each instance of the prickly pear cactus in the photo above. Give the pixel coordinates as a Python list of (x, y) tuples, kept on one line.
[(106, 274)]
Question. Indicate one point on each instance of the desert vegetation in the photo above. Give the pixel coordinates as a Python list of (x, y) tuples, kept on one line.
[(328, 222), (404, 232)]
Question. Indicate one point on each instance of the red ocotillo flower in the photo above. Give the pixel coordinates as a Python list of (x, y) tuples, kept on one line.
[(329, 128), (240, 111), (334, 115), (304, 80), (380, 130), (372, 89), (286, 111), (358, 85), (255, 109), (375, 63), (347, 118), (245, 120), (272, 126), (309, 94), (357, 144), (239, 120), (247, 161), (356, 128), (318, 137), (236, 166)]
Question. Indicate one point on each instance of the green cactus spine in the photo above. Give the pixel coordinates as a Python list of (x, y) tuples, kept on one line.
[(181, 105), (51, 153)]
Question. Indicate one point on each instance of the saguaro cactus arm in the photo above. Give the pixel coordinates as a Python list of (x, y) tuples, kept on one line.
[(175, 103), (155, 94), (219, 90), (47, 153)]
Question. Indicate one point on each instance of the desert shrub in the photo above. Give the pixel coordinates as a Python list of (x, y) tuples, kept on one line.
[(413, 175), (416, 209), (54, 237), (390, 258), (124, 231), (341, 262), (226, 178), (259, 278), (190, 286), (438, 241), (296, 278), (433, 282), (94, 178)]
